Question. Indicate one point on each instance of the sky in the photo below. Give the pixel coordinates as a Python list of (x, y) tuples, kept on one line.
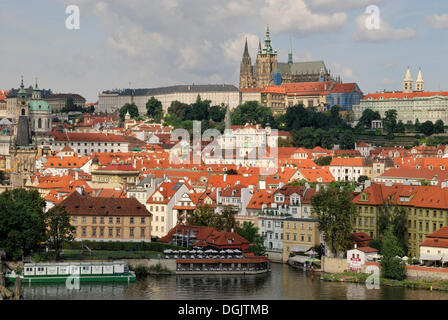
[(154, 43)]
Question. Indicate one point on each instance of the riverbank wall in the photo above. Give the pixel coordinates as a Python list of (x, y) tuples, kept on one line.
[(338, 265), (169, 264)]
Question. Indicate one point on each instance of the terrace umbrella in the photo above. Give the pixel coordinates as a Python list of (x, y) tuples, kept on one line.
[(176, 251), (229, 251), (237, 250), (215, 251), (167, 251), (192, 251), (209, 251), (199, 251), (222, 251)]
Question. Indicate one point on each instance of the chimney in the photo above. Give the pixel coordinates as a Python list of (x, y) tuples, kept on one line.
[(225, 177), (76, 175), (355, 246)]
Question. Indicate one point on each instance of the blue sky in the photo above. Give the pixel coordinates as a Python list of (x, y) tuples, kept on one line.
[(167, 42)]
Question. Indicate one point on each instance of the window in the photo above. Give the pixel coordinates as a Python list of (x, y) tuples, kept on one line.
[(84, 231), (102, 232), (142, 232), (287, 236), (118, 220), (102, 220), (94, 231), (111, 220), (94, 220), (75, 220), (111, 232), (117, 232), (142, 220), (131, 220), (131, 232)]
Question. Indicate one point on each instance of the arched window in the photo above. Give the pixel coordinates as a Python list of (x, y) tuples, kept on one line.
[(39, 123), (23, 112)]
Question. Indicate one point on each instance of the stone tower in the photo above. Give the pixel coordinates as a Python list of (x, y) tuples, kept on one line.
[(23, 154), (246, 70), (22, 102), (266, 60), (408, 83), (419, 83)]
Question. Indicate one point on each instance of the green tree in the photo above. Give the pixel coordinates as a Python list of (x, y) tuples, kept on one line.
[(154, 109), (249, 232), (361, 179), (400, 127), (252, 112), (395, 216), (179, 109), (199, 110), (392, 267), (439, 126), (324, 161), (347, 141), (335, 213), (390, 122), (59, 229), (22, 223), (217, 113), (201, 216), (132, 108), (427, 128), (225, 221), (368, 115)]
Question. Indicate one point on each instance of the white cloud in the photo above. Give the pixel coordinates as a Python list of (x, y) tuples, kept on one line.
[(346, 73), (339, 5), (295, 16), (384, 33), (438, 21), (233, 48)]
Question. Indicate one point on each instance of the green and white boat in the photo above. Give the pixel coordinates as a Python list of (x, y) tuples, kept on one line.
[(116, 271)]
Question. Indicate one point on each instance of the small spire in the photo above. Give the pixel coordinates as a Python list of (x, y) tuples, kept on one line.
[(246, 50), (290, 51), (259, 46)]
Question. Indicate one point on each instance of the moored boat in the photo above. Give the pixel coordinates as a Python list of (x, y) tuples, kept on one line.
[(116, 271)]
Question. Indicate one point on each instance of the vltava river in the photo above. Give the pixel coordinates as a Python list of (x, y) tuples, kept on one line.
[(284, 283)]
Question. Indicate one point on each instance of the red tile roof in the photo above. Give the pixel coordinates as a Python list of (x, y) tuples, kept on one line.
[(82, 205)]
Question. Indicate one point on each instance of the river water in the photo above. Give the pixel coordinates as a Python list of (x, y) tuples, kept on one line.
[(282, 283)]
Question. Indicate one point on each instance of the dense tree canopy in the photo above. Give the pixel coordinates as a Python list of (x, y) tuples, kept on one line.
[(252, 112), (249, 232), (335, 214), (132, 108), (154, 109), (59, 229), (22, 222)]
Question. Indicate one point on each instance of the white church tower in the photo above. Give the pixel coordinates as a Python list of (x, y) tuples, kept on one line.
[(408, 83), (419, 83)]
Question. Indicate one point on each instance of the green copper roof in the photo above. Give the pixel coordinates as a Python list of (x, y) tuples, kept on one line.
[(39, 105)]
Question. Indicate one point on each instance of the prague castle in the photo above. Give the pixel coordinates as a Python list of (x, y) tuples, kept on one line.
[(268, 71), (411, 104)]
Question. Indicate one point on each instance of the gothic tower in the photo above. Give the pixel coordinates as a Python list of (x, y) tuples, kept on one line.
[(246, 70), (23, 154), (419, 83), (408, 83), (266, 60)]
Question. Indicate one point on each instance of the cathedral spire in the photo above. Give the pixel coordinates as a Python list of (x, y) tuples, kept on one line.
[(259, 46), (246, 50), (290, 52)]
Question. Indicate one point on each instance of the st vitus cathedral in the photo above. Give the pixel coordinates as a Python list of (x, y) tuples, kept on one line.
[(268, 71)]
